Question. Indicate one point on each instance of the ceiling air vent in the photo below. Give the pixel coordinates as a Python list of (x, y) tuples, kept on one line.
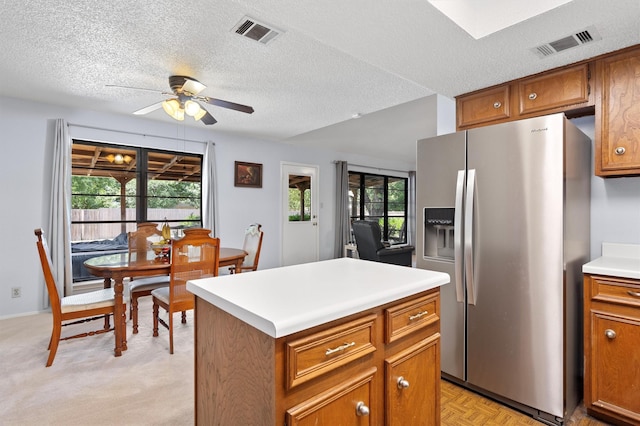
[(258, 31), (577, 39)]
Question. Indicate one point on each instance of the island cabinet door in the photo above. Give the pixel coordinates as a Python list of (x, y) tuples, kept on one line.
[(346, 404), (412, 385)]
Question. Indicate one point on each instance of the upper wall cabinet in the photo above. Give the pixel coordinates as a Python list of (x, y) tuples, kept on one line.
[(618, 115), (568, 87), (486, 106), (565, 89)]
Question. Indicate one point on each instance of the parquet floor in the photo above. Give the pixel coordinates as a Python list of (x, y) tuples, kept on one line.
[(462, 407)]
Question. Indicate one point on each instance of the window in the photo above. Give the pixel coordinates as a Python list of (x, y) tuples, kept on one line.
[(383, 199), (115, 187)]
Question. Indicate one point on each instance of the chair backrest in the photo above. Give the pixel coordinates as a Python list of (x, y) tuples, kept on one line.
[(139, 239), (196, 255), (47, 270), (368, 239), (252, 245)]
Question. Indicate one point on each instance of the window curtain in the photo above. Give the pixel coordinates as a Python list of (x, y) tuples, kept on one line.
[(342, 228), (58, 232), (209, 193), (411, 210)]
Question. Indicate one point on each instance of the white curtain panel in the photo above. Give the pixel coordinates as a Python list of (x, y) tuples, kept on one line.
[(58, 231), (209, 193), (342, 228)]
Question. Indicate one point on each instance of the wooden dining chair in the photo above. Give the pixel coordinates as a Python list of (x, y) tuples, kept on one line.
[(139, 243), (252, 245), (81, 307), (197, 255)]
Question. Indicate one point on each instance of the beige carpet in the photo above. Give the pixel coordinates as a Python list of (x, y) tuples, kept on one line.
[(87, 385)]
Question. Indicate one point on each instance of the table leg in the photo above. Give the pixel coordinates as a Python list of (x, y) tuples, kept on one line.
[(239, 265), (107, 284), (119, 319)]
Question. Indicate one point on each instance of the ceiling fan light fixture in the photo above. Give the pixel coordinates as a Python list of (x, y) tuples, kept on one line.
[(192, 108), (173, 108), (200, 114)]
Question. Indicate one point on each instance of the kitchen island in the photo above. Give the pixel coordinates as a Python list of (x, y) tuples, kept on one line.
[(339, 341)]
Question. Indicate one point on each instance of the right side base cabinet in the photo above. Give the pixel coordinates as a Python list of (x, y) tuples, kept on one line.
[(612, 348), (618, 114)]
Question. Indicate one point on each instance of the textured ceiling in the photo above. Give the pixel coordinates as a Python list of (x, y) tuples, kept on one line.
[(334, 59)]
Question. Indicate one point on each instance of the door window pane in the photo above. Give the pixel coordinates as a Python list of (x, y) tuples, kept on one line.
[(299, 198)]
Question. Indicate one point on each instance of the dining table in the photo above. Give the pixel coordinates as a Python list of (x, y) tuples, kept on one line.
[(114, 268)]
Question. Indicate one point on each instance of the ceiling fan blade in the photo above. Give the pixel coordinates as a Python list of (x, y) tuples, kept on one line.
[(227, 104), (208, 119), (192, 86), (147, 110), (139, 88)]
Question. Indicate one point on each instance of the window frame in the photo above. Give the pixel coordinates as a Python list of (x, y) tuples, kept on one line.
[(362, 214), (174, 165)]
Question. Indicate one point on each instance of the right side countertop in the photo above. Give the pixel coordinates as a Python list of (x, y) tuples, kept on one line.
[(617, 260)]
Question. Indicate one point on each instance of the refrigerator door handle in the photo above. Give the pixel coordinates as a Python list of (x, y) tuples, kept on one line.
[(457, 238), (468, 237)]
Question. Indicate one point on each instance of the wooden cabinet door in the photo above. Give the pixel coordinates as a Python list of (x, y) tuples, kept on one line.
[(412, 385), (483, 107), (553, 90), (345, 404), (618, 115), (615, 365)]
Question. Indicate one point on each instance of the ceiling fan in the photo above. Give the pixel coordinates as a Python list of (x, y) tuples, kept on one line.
[(186, 100)]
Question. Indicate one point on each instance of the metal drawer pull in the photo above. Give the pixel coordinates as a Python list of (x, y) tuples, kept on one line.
[(533, 95), (620, 150), (497, 104), (402, 383), (418, 315), (610, 333), (339, 348), (362, 409)]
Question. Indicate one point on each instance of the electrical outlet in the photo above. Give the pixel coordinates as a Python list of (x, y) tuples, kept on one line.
[(16, 291)]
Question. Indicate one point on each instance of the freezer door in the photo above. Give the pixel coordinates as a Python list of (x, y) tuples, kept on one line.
[(515, 324), (439, 161)]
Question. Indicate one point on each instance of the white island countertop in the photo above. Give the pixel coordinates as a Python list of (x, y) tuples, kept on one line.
[(617, 260), (283, 301)]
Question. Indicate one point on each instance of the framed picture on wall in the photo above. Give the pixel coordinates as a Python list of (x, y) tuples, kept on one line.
[(248, 174)]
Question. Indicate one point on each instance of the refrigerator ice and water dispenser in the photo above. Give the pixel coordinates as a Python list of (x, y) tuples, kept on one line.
[(438, 232)]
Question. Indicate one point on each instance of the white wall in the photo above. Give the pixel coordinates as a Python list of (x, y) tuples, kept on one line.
[(27, 137), (615, 203)]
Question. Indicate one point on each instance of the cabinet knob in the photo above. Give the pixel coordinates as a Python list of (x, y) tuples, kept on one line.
[(402, 383), (610, 333), (633, 293), (497, 104), (532, 96), (620, 150), (362, 409)]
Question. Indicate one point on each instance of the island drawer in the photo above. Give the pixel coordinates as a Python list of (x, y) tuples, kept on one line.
[(408, 317), (616, 290), (324, 351)]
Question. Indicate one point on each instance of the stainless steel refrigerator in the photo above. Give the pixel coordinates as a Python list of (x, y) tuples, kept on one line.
[(504, 210)]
